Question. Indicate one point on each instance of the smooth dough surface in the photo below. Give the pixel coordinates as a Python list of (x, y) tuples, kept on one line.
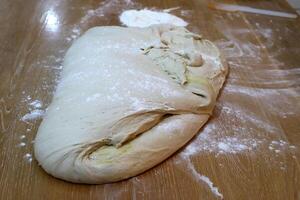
[(128, 98)]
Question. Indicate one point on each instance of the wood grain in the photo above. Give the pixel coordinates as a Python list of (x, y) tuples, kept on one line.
[(260, 103)]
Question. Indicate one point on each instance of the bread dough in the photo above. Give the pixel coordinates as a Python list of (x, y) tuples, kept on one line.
[(128, 98)]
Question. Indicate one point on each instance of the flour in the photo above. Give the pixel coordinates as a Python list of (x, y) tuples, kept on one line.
[(209, 143), (280, 146), (197, 176), (240, 139), (214, 189), (22, 141), (34, 107), (231, 147), (28, 157), (205, 179), (145, 18), (22, 137), (22, 144), (105, 7), (33, 115), (36, 104)]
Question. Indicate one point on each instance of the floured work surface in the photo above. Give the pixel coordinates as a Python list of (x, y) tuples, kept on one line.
[(248, 150)]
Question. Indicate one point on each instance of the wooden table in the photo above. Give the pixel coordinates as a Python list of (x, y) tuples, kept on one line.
[(248, 150)]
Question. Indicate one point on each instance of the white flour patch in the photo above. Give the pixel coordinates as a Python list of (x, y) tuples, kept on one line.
[(223, 145), (22, 141), (33, 115), (209, 141), (36, 104), (27, 98), (22, 144), (231, 146), (145, 18), (34, 109)]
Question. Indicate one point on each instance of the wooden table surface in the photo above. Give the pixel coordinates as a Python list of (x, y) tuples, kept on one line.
[(248, 150)]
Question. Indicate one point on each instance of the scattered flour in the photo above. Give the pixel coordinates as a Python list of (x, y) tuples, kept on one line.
[(27, 98), (231, 146), (22, 144), (280, 146), (36, 104), (145, 18), (209, 142), (34, 107), (28, 157), (33, 115), (34, 110), (22, 137), (106, 7)]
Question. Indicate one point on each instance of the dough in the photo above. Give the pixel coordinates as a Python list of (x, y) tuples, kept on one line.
[(128, 98)]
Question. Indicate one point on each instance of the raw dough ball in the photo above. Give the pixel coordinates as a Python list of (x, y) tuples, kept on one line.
[(126, 101)]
